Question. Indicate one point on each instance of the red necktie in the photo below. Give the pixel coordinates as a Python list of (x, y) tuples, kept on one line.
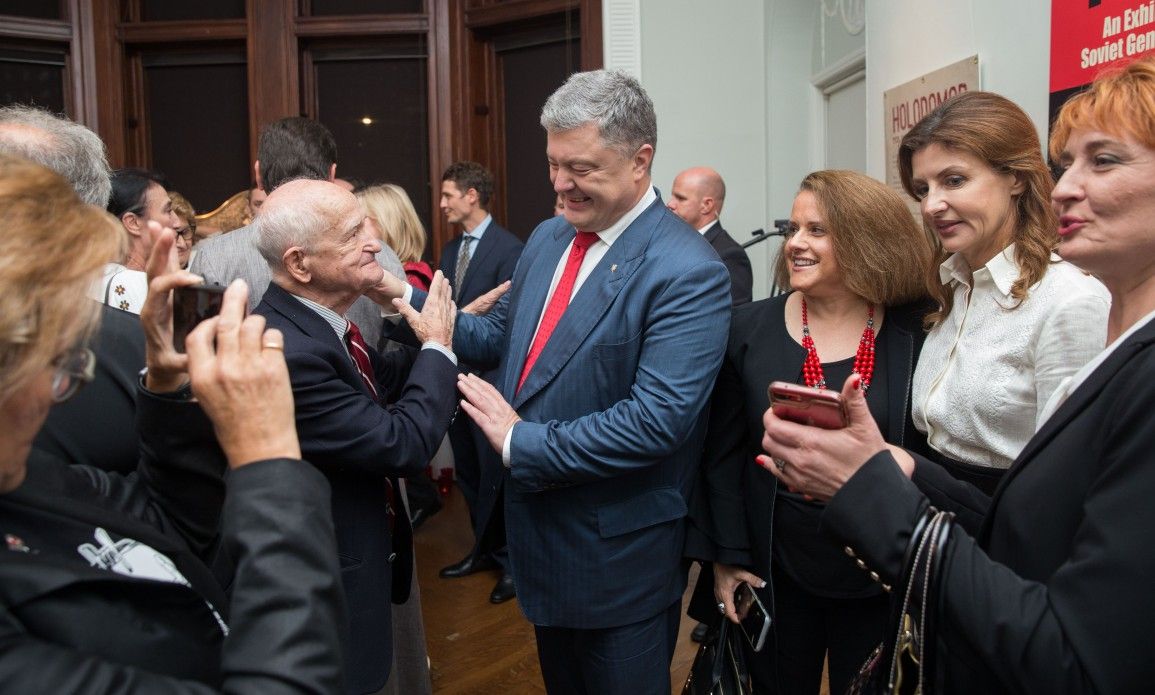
[(559, 301), (359, 351)]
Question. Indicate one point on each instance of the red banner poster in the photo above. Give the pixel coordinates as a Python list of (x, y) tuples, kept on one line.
[(1090, 35)]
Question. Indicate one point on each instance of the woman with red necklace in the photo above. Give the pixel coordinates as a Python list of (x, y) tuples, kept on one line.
[(854, 258)]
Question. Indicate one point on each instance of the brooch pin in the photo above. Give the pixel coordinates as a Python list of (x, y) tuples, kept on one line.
[(614, 268)]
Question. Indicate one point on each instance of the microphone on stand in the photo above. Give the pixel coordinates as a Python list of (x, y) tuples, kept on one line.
[(781, 228)]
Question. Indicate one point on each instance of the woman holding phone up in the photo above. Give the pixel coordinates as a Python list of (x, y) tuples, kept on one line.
[(854, 258)]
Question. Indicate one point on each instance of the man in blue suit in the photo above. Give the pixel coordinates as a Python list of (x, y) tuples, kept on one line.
[(481, 258), (609, 340), (364, 418)]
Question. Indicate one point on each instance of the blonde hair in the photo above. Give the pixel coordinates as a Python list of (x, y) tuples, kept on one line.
[(184, 210), (994, 129), (52, 249), (1120, 101), (401, 229), (878, 246)]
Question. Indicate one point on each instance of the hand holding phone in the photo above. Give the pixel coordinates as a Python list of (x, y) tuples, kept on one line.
[(752, 616), (190, 306), (808, 405)]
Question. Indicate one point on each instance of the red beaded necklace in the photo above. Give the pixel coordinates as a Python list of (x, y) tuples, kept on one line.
[(863, 359)]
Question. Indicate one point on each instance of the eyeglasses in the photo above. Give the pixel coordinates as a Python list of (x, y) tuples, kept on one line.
[(185, 233), (74, 369)]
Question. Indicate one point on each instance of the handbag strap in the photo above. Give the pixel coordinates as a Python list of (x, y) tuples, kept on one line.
[(914, 629)]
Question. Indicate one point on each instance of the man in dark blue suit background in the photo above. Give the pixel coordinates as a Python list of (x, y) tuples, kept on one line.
[(476, 261), (609, 341), (364, 419)]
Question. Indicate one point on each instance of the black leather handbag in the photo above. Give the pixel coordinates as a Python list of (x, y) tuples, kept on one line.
[(719, 667), (904, 664)]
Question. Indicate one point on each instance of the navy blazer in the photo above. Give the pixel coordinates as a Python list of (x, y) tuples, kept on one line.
[(491, 263), (736, 260), (1046, 587), (613, 418), (359, 445)]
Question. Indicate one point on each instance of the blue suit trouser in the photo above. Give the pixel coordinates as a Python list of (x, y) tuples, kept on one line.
[(627, 660)]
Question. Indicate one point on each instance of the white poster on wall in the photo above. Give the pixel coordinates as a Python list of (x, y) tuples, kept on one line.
[(907, 104)]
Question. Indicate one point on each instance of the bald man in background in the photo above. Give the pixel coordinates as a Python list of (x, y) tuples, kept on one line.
[(697, 197)]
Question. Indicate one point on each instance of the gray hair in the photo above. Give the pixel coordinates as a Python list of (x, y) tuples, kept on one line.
[(285, 226), (612, 100), (68, 148)]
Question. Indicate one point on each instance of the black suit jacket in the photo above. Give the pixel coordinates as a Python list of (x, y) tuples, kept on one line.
[(733, 504), (97, 426), (67, 626), (1046, 587), (736, 260), (359, 445), (491, 263)]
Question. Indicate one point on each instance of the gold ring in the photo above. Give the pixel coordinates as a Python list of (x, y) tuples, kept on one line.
[(273, 346)]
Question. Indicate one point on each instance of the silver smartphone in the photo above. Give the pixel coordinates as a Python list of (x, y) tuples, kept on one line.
[(752, 616)]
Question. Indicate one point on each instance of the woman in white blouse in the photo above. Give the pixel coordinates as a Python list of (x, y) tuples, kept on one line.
[(1014, 320)]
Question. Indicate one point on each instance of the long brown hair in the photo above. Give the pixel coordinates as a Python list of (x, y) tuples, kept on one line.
[(994, 129), (878, 247)]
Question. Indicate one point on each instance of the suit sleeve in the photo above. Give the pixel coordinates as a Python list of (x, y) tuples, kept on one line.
[(1066, 633), (286, 607), (339, 425), (681, 350)]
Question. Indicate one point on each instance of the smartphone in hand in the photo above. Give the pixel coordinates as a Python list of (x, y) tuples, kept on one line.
[(807, 405), (190, 306), (752, 616)]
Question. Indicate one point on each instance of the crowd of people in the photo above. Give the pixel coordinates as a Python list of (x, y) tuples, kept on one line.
[(238, 516)]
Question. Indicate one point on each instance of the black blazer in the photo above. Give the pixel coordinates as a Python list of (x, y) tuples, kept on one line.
[(1047, 586), (737, 262), (490, 264), (69, 626), (733, 503), (97, 426), (360, 445)]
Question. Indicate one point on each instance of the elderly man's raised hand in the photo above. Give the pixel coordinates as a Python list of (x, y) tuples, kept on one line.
[(239, 375), (435, 320)]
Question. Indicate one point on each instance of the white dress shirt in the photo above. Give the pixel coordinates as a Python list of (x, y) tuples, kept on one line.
[(988, 369), (594, 255), (1071, 383)]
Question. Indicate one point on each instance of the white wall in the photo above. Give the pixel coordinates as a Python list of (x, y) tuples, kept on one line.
[(704, 66), (731, 83), (907, 38)]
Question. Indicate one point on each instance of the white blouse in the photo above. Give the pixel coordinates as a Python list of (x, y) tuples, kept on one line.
[(988, 369)]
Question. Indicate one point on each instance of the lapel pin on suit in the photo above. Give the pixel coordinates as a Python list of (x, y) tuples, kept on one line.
[(614, 268)]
